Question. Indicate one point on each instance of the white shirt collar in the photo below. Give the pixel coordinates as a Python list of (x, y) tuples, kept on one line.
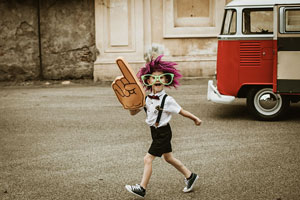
[(159, 93)]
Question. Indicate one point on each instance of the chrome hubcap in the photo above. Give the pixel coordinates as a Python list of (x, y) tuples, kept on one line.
[(266, 102)]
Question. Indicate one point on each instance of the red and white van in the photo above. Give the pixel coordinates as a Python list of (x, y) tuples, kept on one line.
[(259, 56)]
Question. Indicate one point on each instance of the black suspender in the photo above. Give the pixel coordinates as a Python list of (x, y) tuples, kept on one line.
[(145, 109), (159, 108)]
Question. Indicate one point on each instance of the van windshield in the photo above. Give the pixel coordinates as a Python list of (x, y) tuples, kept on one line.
[(229, 22), (258, 21)]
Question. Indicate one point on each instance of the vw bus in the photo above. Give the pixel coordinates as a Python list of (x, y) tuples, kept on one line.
[(258, 56)]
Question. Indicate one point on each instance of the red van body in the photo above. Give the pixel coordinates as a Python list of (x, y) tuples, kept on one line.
[(242, 63), (258, 56)]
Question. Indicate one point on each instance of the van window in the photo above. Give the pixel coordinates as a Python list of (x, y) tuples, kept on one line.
[(229, 23), (292, 20), (258, 21)]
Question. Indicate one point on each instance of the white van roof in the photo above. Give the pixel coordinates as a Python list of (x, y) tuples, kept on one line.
[(260, 2)]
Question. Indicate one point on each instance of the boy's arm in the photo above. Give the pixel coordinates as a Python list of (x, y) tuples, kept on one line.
[(134, 112), (191, 116)]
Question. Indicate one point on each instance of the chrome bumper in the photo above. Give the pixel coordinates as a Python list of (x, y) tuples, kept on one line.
[(214, 95)]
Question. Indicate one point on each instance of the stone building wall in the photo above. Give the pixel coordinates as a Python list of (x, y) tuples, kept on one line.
[(185, 31), (67, 39), (82, 38)]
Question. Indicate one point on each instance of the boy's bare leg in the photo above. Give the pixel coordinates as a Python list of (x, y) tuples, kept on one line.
[(177, 164), (148, 159)]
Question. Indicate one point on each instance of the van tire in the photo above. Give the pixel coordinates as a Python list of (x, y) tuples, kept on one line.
[(265, 105)]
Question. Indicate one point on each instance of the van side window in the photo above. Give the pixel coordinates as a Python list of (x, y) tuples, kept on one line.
[(229, 22), (292, 20), (258, 21)]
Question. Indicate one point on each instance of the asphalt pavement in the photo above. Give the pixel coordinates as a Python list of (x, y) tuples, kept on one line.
[(75, 141)]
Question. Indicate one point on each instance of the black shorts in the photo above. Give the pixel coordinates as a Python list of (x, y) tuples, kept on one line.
[(161, 140)]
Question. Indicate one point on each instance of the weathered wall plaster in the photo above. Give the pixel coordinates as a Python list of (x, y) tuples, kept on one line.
[(18, 40), (68, 39), (67, 35)]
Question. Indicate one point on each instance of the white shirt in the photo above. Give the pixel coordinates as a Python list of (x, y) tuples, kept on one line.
[(170, 107)]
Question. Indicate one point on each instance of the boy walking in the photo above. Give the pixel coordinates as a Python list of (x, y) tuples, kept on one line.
[(159, 109)]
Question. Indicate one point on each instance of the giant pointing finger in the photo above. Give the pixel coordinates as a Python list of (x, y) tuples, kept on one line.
[(128, 88), (126, 70)]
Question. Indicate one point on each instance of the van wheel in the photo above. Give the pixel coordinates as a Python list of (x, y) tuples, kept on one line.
[(264, 104)]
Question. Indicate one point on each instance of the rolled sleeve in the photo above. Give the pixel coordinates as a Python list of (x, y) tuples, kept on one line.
[(172, 106)]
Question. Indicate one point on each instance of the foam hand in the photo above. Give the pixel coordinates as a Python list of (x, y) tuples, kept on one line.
[(128, 89)]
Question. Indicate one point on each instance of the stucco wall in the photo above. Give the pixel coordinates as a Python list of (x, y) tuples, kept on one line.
[(67, 36), (195, 56), (176, 28), (68, 39), (18, 40)]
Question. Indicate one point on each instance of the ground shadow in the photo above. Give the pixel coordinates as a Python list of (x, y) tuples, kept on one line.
[(240, 111)]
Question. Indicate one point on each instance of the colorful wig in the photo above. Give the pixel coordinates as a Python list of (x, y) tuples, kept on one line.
[(160, 66)]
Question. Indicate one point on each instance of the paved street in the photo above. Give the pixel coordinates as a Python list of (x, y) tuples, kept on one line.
[(76, 142)]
